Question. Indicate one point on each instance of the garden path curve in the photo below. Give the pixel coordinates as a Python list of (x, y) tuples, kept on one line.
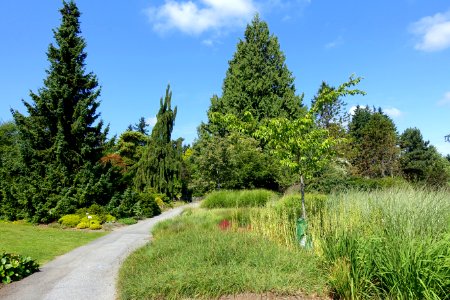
[(90, 271)]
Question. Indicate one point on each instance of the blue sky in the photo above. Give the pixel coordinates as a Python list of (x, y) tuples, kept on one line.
[(401, 48)]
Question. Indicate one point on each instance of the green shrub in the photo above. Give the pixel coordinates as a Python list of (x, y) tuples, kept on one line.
[(146, 207), (14, 267), (127, 221), (70, 220), (95, 225), (82, 225), (110, 218), (332, 184), (244, 198)]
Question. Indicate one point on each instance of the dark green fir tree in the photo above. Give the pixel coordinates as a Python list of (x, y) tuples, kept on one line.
[(62, 137)]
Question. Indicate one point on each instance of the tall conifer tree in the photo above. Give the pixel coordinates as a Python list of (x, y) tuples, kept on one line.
[(160, 165), (62, 138), (258, 80)]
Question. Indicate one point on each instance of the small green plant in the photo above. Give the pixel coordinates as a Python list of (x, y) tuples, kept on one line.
[(14, 267), (70, 221), (127, 221)]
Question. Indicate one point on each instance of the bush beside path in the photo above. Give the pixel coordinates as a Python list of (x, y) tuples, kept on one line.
[(90, 271)]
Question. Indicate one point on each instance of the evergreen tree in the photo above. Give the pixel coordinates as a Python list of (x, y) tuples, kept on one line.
[(375, 143), (141, 126), (160, 165), (62, 138), (258, 80), (420, 161)]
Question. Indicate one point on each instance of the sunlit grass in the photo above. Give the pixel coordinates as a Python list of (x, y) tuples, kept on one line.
[(191, 257), (41, 243)]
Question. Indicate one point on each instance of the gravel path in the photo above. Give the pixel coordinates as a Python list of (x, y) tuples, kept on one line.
[(88, 272)]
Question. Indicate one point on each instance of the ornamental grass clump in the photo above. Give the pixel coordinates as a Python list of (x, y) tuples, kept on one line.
[(386, 244), (243, 198)]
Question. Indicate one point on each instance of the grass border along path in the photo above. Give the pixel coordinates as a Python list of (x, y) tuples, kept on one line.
[(192, 257)]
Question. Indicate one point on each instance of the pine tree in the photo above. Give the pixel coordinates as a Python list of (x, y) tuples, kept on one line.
[(258, 80), (62, 138), (160, 165)]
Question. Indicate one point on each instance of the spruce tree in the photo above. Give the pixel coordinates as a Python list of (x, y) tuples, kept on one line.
[(258, 80), (62, 138), (160, 165)]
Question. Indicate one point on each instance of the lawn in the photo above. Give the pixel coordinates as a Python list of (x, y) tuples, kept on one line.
[(42, 243)]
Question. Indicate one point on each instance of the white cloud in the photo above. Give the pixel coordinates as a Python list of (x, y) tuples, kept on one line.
[(197, 17), (445, 100), (433, 32), (333, 44), (151, 121), (392, 112)]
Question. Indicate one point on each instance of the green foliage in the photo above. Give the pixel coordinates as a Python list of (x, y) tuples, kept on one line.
[(135, 204), (386, 244), (333, 183), (298, 143), (61, 136), (206, 262), (95, 225), (70, 220), (257, 81), (159, 167), (10, 167), (331, 115), (130, 146), (375, 143), (244, 198), (14, 267), (233, 162), (141, 126), (83, 225), (146, 207), (127, 221), (420, 162)]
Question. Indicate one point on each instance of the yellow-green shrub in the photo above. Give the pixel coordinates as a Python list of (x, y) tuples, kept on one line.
[(70, 220), (82, 225), (110, 218), (95, 225)]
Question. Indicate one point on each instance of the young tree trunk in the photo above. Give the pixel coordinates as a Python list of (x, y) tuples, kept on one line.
[(302, 191)]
